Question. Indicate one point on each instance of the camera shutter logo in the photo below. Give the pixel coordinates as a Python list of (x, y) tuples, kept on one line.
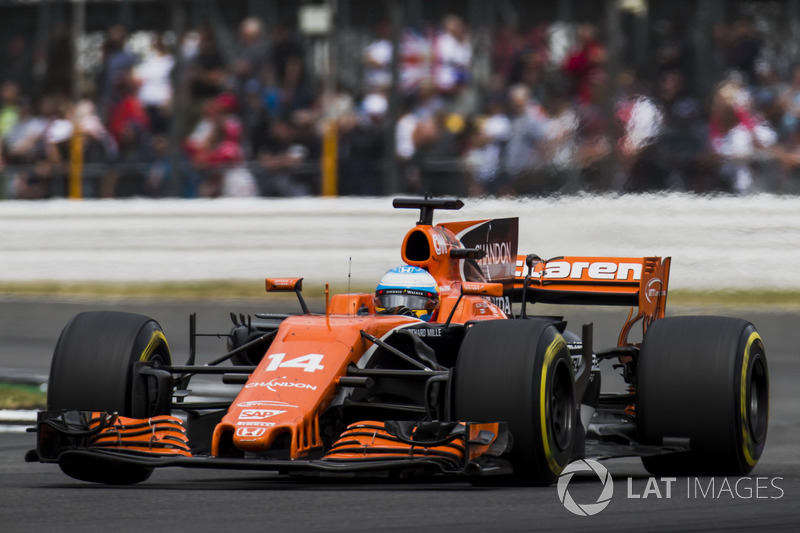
[(586, 509)]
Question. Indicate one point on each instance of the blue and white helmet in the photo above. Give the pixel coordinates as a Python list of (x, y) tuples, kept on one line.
[(408, 286)]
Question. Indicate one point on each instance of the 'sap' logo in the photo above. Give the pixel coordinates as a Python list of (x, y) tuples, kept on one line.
[(258, 414)]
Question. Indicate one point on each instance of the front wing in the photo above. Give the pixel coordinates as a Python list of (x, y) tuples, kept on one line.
[(451, 448)]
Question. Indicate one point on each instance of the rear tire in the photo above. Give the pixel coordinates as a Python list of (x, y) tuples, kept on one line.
[(92, 370), (703, 378), (520, 372)]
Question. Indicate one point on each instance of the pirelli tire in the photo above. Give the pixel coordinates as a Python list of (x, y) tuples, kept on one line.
[(92, 370), (520, 372), (703, 378)]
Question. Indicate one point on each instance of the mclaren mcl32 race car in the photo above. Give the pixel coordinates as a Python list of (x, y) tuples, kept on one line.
[(484, 387)]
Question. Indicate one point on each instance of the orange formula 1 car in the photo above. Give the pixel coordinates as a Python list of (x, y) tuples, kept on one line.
[(483, 387)]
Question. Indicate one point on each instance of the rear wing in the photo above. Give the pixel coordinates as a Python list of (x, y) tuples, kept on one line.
[(636, 282)]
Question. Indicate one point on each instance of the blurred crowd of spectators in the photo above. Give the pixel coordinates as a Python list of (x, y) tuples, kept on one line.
[(541, 125)]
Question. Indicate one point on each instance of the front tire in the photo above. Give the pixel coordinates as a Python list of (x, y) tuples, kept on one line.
[(520, 372), (704, 378), (93, 370)]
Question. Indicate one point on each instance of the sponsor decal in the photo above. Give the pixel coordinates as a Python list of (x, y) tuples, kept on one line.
[(503, 302), (259, 414), (250, 432), (439, 244), (424, 332), (598, 270), (654, 289), (498, 238), (280, 383), (259, 424), (497, 253), (261, 403), (309, 362)]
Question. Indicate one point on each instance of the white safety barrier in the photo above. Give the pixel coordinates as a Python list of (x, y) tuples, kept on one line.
[(715, 242)]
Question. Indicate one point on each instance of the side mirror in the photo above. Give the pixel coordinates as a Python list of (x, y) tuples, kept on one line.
[(284, 284), (288, 285), (475, 288)]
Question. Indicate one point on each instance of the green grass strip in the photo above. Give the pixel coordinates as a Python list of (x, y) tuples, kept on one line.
[(16, 396)]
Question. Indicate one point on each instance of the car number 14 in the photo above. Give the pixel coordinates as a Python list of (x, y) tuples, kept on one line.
[(309, 363)]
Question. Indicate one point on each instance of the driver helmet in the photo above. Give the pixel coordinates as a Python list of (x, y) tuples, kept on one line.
[(410, 287)]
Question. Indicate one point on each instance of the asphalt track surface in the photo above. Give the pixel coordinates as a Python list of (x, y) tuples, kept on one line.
[(36, 497)]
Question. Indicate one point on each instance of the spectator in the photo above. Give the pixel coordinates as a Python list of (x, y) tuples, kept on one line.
[(44, 149), (560, 172), (585, 66), (378, 60), (130, 127), (156, 184), (117, 64), (307, 144), (128, 113), (207, 75), (685, 134), (283, 52), (9, 111), (249, 67), (788, 156), (256, 122), (745, 47), (19, 143), (18, 61), (99, 149), (279, 158), (522, 158), (154, 75), (737, 136), (641, 123), (453, 53), (361, 148), (486, 143), (438, 153), (791, 102), (293, 93), (214, 146), (674, 51)]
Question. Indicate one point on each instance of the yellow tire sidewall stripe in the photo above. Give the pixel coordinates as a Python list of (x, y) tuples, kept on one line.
[(748, 448), (155, 338), (551, 353)]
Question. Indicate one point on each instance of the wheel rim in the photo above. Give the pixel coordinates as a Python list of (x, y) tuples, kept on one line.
[(561, 407), (757, 400)]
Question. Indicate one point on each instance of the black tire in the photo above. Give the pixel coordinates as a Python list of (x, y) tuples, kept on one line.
[(520, 372), (704, 378), (92, 370)]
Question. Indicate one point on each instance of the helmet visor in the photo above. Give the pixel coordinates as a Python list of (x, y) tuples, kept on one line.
[(412, 301)]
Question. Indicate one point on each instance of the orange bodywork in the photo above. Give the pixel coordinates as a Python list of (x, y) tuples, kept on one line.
[(297, 379)]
